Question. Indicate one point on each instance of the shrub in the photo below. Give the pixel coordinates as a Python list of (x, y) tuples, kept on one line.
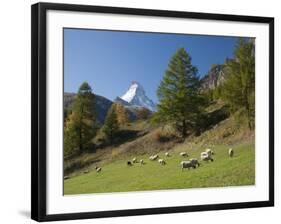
[(163, 136)]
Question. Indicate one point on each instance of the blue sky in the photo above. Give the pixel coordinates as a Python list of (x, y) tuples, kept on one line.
[(109, 60)]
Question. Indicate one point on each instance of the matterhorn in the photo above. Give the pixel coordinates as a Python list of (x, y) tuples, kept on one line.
[(136, 96)]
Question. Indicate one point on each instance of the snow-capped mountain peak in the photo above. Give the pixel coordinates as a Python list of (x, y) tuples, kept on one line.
[(130, 94), (136, 96)]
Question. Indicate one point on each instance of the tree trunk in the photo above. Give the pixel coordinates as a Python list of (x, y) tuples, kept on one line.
[(80, 132), (183, 129), (248, 114), (80, 141)]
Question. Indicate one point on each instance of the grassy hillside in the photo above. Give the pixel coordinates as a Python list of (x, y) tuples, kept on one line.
[(143, 139), (118, 177)]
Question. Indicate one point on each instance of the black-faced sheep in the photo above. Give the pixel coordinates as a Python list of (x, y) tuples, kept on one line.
[(209, 151), (162, 162), (195, 162), (206, 156), (184, 154), (230, 152), (167, 154), (129, 163), (187, 164), (153, 157), (98, 169)]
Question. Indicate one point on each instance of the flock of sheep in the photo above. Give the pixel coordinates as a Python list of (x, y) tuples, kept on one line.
[(207, 155)]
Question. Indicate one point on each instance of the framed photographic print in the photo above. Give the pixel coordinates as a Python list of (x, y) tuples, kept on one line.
[(139, 111)]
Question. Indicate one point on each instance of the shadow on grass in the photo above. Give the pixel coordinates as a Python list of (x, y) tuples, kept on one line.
[(122, 137), (78, 164), (212, 119)]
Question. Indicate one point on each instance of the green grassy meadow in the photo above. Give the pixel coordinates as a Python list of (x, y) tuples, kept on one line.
[(116, 176)]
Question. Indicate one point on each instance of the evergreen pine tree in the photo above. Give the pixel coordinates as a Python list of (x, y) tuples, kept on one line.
[(179, 100), (239, 86)]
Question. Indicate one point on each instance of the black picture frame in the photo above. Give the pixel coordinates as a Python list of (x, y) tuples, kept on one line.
[(38, 110)]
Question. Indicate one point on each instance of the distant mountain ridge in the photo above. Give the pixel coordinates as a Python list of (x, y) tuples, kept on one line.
[(133, 100)]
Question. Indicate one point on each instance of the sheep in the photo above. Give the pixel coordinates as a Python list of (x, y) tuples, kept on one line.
[(98, 169), (230, 152), (209, 151), (153, 157), (134, 160), (183, 154), (206, 156), (195, 162), (141, 162), (167, 154), (187, 164), (162, 162), (129, 163)]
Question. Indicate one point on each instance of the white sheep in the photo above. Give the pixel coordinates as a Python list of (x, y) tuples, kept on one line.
[(230, 152), (183, 154), (167, 154), (187, 164), (209, 151), (141, 162), (134, 160), (195, 162), (162, 161), (206, 156), (153, 157), (98, 169)]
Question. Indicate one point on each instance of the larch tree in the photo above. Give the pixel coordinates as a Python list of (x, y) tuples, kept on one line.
[(80, 125), (122, 115), (239, 86), (180, 102), (110, 127)]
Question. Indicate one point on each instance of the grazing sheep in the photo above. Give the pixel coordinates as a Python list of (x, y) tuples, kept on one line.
[(129, 163), (230, 152), (98, 169), (153, 157), (141, 162), (167, 154), (134, 160), (195, 162), (206, 156), (162, 162), (209, 151), (184, 154), (187, 164)]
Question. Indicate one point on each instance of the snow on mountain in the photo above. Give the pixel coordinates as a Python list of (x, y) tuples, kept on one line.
[(136, 96)]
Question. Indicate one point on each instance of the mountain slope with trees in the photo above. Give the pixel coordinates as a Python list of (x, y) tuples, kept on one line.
[(192, 114)]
